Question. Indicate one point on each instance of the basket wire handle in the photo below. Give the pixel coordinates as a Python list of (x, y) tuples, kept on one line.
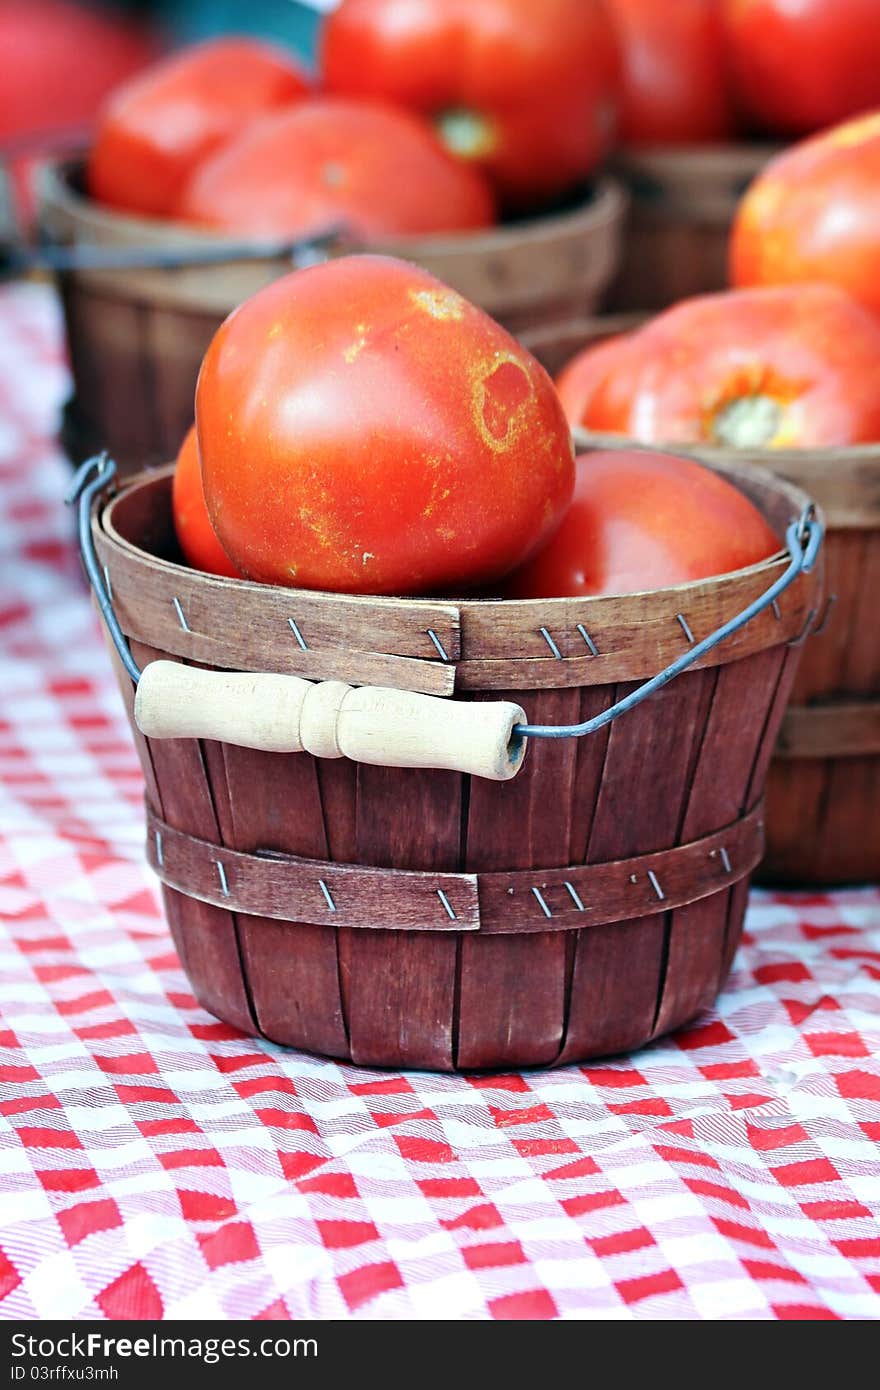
[(375, 725), (91, 479), (18, 259)]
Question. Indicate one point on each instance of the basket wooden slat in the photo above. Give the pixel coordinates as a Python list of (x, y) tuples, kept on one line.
[(205, 936), (823, 790), (682, 205)]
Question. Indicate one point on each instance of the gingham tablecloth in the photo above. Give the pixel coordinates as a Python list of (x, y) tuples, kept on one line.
[(156, 1163)]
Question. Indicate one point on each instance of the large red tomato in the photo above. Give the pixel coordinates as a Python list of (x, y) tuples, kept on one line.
[(195, 534), (675, 88), (158, 127), (800, 66), (378, 170), (527, 90), (643, 521), (365, 429), (780, 368), (59, 60), (814, 214)]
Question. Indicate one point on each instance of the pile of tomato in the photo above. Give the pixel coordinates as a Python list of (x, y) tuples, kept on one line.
[(360, 427), (443, 115)]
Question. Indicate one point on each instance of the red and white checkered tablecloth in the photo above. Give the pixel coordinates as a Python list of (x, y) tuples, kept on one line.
[(156, 1163)]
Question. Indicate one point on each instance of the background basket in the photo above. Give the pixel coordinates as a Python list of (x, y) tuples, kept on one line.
[(682, 205), (823, 789), (137, 337), (421, 918)]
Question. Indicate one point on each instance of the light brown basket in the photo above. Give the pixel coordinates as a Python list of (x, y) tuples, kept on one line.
[(137, 337)]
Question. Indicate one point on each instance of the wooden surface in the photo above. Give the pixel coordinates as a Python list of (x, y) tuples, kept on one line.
[(137, 338)]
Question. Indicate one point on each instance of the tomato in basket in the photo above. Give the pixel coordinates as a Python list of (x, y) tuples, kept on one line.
[(814, 214), (156, 128), (581, 377), (789, 367), (364, 429), (369, 168), (526, 90), (674, 85), (645, 521), (195, 534), (798, 66)]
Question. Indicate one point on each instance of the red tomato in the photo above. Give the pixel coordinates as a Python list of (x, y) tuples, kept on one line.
[(581, 378), (643, 521), (814, 214), (397, 439), (157, 128), (526, 90), (674, 85), (192, 524), (42, 92), (376, 169), (800, 66), (58, 61), (770, 368)]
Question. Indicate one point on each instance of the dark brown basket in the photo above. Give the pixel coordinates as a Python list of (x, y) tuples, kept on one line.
[(399, 917), (137, 337), (823, 789), (682, 205)]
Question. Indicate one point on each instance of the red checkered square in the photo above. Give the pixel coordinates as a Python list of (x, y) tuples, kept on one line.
[(88, 1217), (232, 1243)]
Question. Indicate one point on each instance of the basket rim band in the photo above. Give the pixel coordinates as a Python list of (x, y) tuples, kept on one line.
[(600, 640), (290, 889), (839, 728)]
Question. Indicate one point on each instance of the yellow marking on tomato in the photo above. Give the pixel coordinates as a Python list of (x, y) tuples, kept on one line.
[(855, 132), (439, 303), (354, 349), (500, 399)]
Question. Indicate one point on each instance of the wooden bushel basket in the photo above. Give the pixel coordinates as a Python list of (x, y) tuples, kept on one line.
[(137, 336), (823, 788), (413, 917), (682, 206)]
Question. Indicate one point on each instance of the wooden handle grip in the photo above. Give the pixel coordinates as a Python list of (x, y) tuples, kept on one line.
[(370, 724)]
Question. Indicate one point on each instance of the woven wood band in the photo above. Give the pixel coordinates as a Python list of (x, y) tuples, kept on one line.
[(532, 900), (438, 648), (845, 729)]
